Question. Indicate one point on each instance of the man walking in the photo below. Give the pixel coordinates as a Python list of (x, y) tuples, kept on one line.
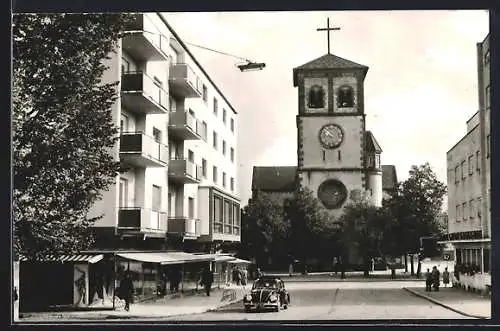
[(127, 290), (428, 281), (446, 277), (207, 279), (435, 278)]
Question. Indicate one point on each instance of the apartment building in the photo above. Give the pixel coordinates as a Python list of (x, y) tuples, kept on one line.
[(178, 145), (468, 165)]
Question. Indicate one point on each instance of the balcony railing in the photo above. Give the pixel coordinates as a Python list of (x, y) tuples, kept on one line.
[(184, 125), (184, 82), (140, 150), (184, 171), (142, 220), (184, 226), (142, 95), (143, 42)]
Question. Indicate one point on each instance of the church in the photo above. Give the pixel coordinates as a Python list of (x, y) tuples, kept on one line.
[(336, 153)]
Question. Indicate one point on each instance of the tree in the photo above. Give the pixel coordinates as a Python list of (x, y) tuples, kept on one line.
[(312, 228), (264, 229), (362, 227), (415, 210), (63, 127)]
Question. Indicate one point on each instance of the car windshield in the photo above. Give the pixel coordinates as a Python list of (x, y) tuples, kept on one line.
[(265, 283)]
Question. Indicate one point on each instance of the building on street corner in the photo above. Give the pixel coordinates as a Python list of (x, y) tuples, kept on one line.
[(177, 201), (469, 189)]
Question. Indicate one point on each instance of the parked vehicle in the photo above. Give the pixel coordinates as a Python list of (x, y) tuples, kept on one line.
[(268, 292)]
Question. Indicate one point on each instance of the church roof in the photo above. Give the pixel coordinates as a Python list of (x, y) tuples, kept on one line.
[(371, 143), (389, 177), (328, 61), (281, 179)]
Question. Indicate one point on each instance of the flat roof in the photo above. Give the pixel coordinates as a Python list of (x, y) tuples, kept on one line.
[(196, 61)]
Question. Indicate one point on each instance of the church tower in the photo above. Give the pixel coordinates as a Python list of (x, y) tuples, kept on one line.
[(336, 155)]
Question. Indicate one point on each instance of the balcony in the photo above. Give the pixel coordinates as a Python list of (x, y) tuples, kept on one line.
[(137, 220), (184, 171), (141, 95), (141, 43), (184, 126), (184, 82), (186, 227), (142, 151)]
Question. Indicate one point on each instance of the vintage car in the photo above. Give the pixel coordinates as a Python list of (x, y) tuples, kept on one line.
[(268, 292)]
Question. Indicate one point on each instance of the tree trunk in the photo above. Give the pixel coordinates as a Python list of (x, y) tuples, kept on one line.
[(406, 263), (411, 265)]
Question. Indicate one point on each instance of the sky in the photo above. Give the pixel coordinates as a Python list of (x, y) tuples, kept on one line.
[(420, 89)]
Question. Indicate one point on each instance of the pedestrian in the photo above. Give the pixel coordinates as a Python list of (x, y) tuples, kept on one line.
[(244, 277), (435, 278), (428, 281), (207, 279), (446, 277), (237, 276), (127, 290), (258, 273)]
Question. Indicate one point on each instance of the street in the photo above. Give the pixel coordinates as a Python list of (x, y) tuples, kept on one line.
[(340, 301)]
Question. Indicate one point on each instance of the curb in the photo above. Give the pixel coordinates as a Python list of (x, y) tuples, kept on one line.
[(437, 302)]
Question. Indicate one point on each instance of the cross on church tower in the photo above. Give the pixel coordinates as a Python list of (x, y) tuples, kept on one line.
[(328, 29)]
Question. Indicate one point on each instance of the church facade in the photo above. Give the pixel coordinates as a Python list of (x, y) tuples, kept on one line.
[(336, 154)]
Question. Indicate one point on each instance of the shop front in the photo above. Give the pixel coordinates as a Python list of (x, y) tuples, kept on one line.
[(473, 264)]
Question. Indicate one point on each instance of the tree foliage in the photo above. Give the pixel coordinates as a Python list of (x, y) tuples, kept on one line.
[(62, 127)]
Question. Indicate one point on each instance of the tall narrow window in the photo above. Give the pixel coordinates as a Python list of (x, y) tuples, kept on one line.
[(224, 179), (232, 184), (156, 203), (190, 208), (323, 154), (457, 174), (377, 160), (123, 193), (215, 140), (479, 207), (232, 154), (339, 155), (190, 156), (214, 174), (462, 166), (458, 213), (223, 147), (345, 96), (471, 165), (205, 93), (204, 130), (204, 168), (471, 208), (224, 116), (157, 135), (216, 106), (488, 97), (464, 208), (232, 125)]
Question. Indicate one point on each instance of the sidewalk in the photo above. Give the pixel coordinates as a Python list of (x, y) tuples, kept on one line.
[(384, 275), (173, 306), (458, 300)]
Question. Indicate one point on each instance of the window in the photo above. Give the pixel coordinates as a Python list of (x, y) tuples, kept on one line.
[(217, 214), (224, 116), (488, 97), (471, 165), (123, 193), (204, 130), (323, 154), (232, 184), (345, 96), (224, 147), (125, 65), (190, 208), (224, 179), (478, 162), (457, 175), (479, 207), (471, 208), (339, 155), (462, 166), (157, 135), (214, 174), (232, 125), (488, 146), (216, 106), (464, 210), (487, 57), (123, 123), (170, 204), (316, 97), (377, 160), (232, 154), (204, 168), (458, 213), (156, 206), (190, 156), (215, 140), (205, 93)]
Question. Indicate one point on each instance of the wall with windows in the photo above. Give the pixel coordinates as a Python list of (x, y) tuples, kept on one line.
[(464, 183)]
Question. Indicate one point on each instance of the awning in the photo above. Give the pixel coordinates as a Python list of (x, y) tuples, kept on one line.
[(75, 258), (166, 257), (224, 258), (240, 261)]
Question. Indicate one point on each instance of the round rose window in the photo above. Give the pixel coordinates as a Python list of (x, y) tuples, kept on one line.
[(332, 193)]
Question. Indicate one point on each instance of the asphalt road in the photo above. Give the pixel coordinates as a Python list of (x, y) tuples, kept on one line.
[(340, 301)]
